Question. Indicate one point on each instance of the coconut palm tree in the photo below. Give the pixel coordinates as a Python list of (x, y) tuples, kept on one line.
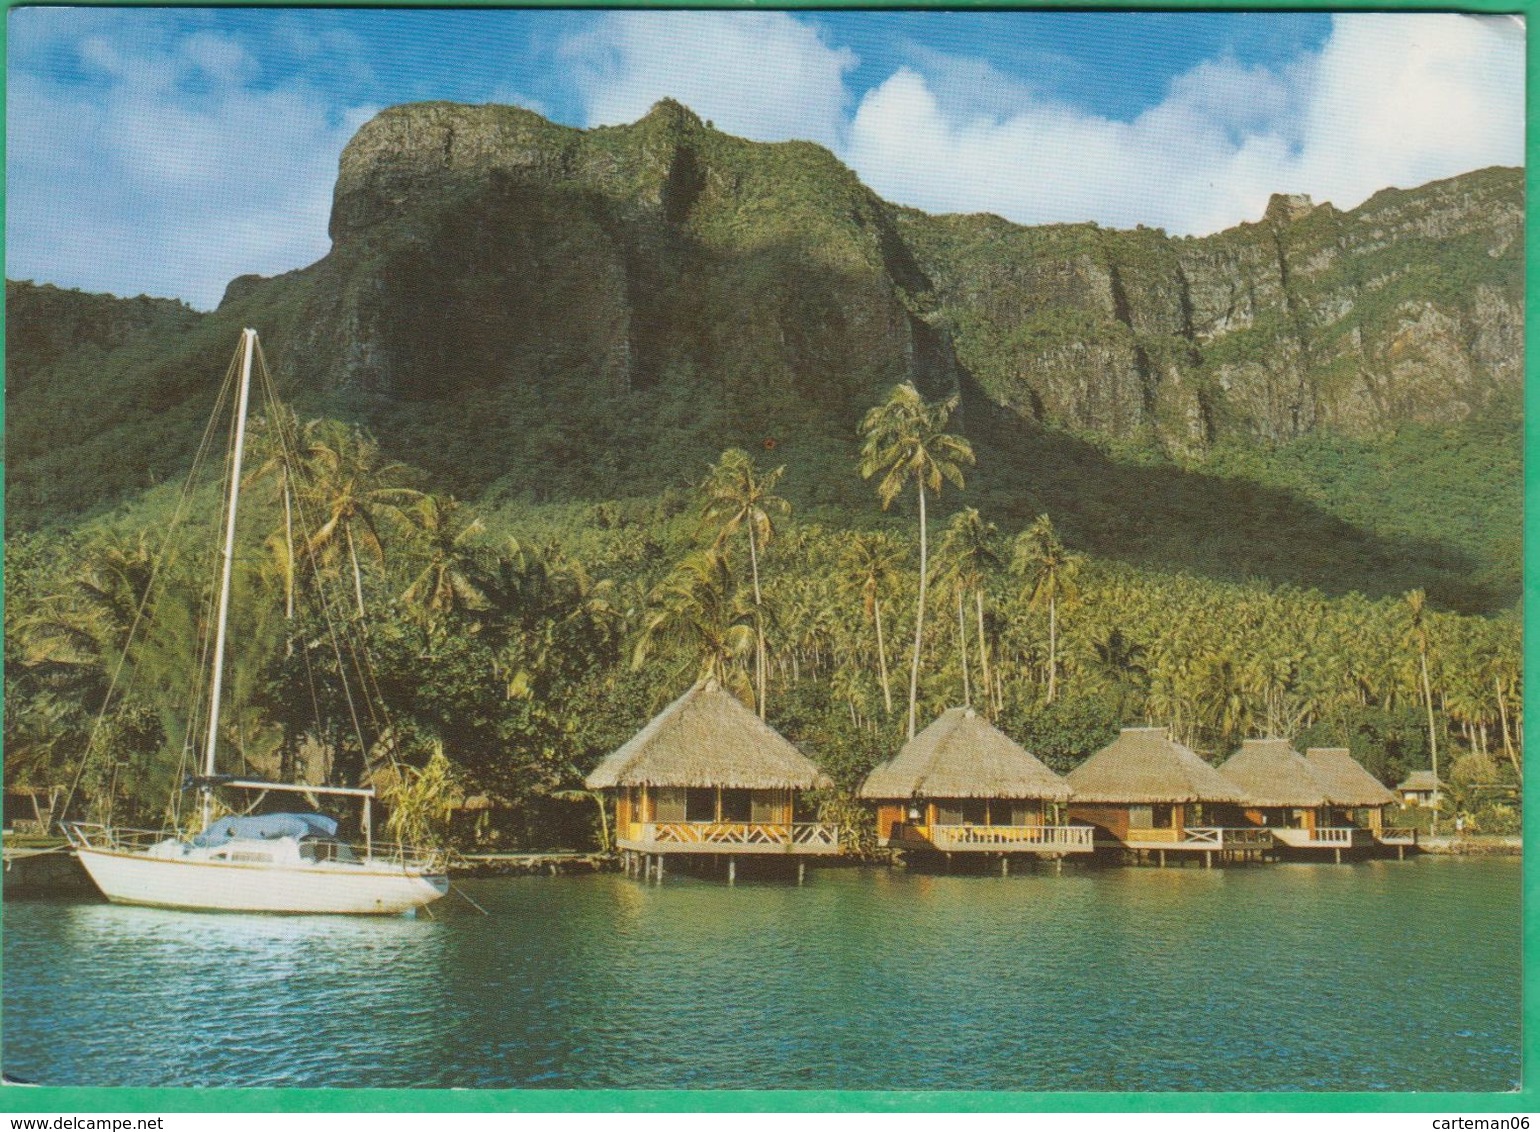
[(445, 535), (1121, 661), (698, 610), (869, 567), (903, 441), (1049, 571), (1416, 635), (275, 443), (737, 497), (351, 489), (968, 554)]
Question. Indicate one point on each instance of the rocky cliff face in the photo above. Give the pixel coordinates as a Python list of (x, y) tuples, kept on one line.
[(481, 246), (570, 312), (484, 244), (1409, 308)]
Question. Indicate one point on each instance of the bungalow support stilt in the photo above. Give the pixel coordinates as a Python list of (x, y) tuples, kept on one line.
[(732, 870)]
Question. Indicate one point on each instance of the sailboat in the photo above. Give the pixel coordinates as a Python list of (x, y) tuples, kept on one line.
[(272, 862)]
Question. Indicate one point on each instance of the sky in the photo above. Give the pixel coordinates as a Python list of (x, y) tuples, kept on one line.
[(166, 151)]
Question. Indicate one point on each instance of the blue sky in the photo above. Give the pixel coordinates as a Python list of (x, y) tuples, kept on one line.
[(164, 151)]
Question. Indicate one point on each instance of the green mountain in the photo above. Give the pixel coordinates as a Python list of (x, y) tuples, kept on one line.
[(540, 314)]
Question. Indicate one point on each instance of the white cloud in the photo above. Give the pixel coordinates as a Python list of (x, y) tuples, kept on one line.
[(1390, 100), (762, 75), (169, 171), (168, 157), (1403, 99)]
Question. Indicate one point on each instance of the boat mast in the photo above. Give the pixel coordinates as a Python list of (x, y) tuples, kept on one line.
[(248, 348)]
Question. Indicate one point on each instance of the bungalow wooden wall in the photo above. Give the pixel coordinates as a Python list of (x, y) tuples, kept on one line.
[(1114, 819), (890, 814)]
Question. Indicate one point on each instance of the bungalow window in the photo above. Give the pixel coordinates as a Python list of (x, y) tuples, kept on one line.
[(975, 811), (700, 804), (736, 805), (1161, 816), (668, 804), (766, 808), (1141, 817), (948, 813), (1011, 812)]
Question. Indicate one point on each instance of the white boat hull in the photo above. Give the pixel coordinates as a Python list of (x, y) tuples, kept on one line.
[(339, 888)]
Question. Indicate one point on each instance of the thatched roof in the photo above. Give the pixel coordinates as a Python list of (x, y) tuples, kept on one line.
[(1347, 782), (708, 738), (963, 755), (1272, 773), (1144, 765), (1420, 780)]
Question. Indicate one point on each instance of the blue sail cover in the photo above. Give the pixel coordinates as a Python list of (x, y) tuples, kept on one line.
[(268, 827)]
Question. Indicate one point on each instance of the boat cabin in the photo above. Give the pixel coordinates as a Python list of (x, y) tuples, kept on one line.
[(963, 786), (1148, 794), (708, 776)]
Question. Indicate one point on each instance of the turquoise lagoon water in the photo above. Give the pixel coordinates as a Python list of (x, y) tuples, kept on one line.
[(1376, 976)]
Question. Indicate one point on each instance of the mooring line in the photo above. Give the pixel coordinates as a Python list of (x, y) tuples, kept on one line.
[(460, 892)]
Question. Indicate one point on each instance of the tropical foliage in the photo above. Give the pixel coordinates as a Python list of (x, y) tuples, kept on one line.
[(511, 646)]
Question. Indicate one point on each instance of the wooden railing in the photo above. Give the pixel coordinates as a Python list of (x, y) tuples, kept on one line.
[(728, 834), (1171, 835), (1006, 837), (1333, 835), (1397, 835), (1218, 837)]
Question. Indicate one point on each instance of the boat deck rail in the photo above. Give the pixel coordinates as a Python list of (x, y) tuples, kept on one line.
[(113, 839), (731, 837), (1008, 838)]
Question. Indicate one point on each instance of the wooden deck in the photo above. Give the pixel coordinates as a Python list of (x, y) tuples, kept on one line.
[(804, 838), (1324, 837), (1043, 839), (1204, 839)]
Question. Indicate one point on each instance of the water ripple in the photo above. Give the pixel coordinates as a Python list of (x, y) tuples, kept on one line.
[(1245, 978)]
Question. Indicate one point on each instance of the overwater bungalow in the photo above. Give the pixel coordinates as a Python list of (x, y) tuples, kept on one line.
[(1289, 798), (963, 786), (708, 776), (1358, 799), (1146, 793)]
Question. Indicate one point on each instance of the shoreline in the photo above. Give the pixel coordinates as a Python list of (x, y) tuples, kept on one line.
[(1474, 845), (33, 871)]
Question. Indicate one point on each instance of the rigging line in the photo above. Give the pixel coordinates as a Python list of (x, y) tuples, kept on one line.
[(356, 642), (320, 590), (172, 529), (289, 459), (284, 425)]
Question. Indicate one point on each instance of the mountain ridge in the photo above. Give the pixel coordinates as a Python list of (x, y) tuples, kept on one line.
[(536, 310)]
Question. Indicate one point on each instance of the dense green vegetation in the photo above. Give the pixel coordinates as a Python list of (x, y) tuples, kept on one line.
[(512, 649), (1423, 505), (544, 388)]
